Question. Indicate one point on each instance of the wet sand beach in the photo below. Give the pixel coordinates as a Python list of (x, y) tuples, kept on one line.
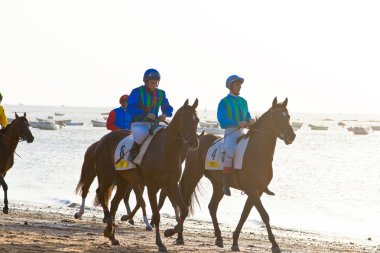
[(54, 229)]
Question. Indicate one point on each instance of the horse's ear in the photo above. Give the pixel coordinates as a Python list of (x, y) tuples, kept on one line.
[(24, 114), (186, 102), (274, 102), (195, 105), (16, 115), (285, 103)]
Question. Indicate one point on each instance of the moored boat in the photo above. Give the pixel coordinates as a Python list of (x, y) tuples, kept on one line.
[(314, 127), (97, 123)]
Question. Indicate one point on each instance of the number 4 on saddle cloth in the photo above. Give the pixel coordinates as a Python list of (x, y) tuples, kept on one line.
[(216, 154), (123, 147)]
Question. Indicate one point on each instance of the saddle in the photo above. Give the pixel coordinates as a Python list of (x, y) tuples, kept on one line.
[(122, 151), (216, 155)]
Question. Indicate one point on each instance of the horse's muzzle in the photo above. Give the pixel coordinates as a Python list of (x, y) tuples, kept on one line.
[(30, 139), (289, 139)]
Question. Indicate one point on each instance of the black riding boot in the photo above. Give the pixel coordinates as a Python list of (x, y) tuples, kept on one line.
[(134, 151), (226, 184)]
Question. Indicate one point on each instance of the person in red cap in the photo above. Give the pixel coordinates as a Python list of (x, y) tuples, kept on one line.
[(119, 118)]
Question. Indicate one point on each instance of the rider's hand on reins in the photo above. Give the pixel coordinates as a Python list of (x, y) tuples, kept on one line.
[(162, 117), (242, 124)]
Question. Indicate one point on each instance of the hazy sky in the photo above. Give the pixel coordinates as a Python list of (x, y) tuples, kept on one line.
[(323, 55)]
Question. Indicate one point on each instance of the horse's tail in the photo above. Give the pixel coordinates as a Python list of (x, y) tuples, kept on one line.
[(88, 172), (194, 170)]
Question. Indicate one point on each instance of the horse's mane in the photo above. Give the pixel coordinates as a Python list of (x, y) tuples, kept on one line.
[(7, 127)]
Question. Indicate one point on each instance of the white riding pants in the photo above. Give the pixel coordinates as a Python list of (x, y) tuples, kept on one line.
[(230, 142), (140, 131)]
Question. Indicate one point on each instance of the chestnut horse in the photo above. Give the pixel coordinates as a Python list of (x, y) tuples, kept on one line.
[(10, 136), (253, 178), (160, 169)]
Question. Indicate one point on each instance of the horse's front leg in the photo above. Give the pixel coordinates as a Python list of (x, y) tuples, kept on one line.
[(244, 215), (156, 217), (254, 199), (176, 198), (5, 189), (217, 196)]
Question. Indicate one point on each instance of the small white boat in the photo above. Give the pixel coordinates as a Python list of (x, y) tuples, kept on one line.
[(74, 124), (50, 117), (47, 125), (217, 131), (375, 128), (340, 123), (209, 124), (33, 124), (314, 127), (63, 122), (97, 123), (360, 130), (58, 114), (104, 113), (297, 125)]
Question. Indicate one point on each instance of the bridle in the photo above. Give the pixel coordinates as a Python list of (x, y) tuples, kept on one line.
[(273, 129), (180, 136)]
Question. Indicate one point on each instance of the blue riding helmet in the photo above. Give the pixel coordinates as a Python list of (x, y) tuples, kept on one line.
[(234, 78), (151, 74)]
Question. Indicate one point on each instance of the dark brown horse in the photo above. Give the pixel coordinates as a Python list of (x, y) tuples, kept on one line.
[(15, 132), (160, 169), (253, 178), (87, 176)]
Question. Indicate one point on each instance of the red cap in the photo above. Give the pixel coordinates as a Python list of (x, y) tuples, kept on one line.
[(122, 98)]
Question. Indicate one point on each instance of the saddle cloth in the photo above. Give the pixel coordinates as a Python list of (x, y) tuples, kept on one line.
[(216, 154), (122, 151)]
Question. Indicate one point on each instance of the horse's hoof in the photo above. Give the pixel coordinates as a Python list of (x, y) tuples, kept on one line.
[(126, 217), (169, 232), (162, 248), (77, 215), (276, 250), (5, 210), (152, 224), (235, 248), (148, 228), (179, 241), (219, 243), (115, 242), (131, 221)]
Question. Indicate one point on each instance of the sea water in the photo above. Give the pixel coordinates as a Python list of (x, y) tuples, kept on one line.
[(326, 181)]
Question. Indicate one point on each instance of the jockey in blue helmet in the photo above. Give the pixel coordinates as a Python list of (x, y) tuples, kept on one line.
[(144, 103), (233, 116)]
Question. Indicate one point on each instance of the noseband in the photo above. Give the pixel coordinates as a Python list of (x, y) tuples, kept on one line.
[(180, 136), (273, 129)]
